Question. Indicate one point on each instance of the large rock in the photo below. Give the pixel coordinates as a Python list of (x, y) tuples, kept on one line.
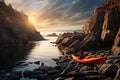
[(111, 23), (15, 26), (109, 70), (117, 77), (100, 30), (116, 47), (104, 25)]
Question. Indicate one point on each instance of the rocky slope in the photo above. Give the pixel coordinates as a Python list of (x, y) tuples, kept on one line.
[(15, 26), (100, 31)]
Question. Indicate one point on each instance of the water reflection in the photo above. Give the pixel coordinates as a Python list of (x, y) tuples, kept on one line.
[(23, 57), (9, 56)]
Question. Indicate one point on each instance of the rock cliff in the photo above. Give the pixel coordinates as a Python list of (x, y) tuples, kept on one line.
[(15, 26), (100, 31), (116, 47)]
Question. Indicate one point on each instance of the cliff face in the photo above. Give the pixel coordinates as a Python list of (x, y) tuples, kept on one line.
[(102, 28), (105, 23), (15, 26), (116, 47)]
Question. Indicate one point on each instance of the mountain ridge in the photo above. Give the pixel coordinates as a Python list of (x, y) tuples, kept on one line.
[(15, 26)]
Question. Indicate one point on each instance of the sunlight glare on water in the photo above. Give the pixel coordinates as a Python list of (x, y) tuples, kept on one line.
[(43, 51)]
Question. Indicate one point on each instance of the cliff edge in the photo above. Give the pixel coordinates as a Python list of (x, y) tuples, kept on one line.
[(100, 31), (15, 26)]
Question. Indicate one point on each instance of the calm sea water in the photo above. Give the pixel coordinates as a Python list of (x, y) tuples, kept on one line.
[(20, 58), (42, 51)]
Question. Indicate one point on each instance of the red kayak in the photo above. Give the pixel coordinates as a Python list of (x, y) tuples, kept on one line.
[(92, 60)]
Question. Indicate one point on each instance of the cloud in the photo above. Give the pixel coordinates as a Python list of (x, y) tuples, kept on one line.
[(68, 12), (10, 1), (57, 12)]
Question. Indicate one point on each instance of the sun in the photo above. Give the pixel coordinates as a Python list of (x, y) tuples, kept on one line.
[(32, 20)]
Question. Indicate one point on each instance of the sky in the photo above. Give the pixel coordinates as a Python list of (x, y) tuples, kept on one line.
[(57, 14)]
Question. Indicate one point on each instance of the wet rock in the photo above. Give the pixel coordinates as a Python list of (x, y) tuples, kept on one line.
[(52, 35), (109, 61), (66, 70), (15, 77), (59, 39), (71, 78), (53, 72), (86, 68), (74, 74), (25, 64), (116, 61), (117, 77), (30, 63), (28, 73), (58, 67), (37, 72), (60, 78), (93, 77), (43, 77), (20, 62), (114, 57), (90, 72), (69, 51), (42, 64), (17, 73), (46, 69), (97, 77), (37, 62), (109, 70)]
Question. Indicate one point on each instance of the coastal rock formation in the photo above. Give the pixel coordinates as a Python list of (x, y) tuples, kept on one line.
[(100, 31), (52, 35), (116, 47), (15, 26)]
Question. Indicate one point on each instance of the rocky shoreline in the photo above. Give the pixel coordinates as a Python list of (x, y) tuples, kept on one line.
[(67, 69), (101, 31), (100, 36)]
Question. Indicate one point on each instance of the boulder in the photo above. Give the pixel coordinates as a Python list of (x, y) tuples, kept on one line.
[(116, 61), (71, 78), (90, 72), (93, 77), (113, 57), (28, 73), (86, 68), (37, 62), (60, 78), (43, 77), (68, 69), (74, 74), (52, 35), (117, 77), (109, 70)]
